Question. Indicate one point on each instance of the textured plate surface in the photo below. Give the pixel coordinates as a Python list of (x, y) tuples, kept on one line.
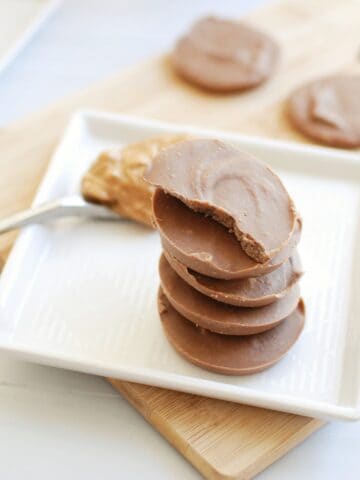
[(82, 295)]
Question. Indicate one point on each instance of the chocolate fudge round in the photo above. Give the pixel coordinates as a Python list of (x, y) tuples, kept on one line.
[(328, 110), (206, 246), (245, 292), (225, 56), (228, 354), (220, 317)]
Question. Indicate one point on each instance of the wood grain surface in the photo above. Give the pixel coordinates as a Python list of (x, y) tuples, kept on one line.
[(221, 439)]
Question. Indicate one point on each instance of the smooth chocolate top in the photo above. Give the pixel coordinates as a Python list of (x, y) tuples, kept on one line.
[(220, 317), (205, 245), (222, 55), (245, 292), (228, 354), (238, 191), (328, 110)]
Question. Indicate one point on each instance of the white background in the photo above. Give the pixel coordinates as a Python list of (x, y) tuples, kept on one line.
[(56, 424)]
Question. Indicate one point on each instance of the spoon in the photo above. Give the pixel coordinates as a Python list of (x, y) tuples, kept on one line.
[(72, 206)]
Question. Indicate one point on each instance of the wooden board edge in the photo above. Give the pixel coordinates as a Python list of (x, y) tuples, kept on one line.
[(169, 433), (269, 458), (200, 462)]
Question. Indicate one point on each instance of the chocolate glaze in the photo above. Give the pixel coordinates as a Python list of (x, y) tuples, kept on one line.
[(328, 110), (223, 56), (207, 247), (237, 190), (246, 292), (217, 316), (228, 354)]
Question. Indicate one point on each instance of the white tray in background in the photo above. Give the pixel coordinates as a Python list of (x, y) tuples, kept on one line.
[(19, 21), (82, 295)]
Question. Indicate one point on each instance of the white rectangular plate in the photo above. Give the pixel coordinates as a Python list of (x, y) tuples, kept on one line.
[(82, 295)]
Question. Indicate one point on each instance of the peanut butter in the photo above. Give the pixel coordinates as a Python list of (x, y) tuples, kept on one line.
[(116, 178)]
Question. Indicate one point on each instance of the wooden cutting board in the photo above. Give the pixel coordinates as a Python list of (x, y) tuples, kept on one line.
[(221, 439)]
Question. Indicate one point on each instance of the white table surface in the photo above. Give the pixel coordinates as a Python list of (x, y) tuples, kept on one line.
[(58, 424)]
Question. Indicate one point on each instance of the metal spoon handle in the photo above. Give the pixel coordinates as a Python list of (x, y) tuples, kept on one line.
[(73, 206)]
